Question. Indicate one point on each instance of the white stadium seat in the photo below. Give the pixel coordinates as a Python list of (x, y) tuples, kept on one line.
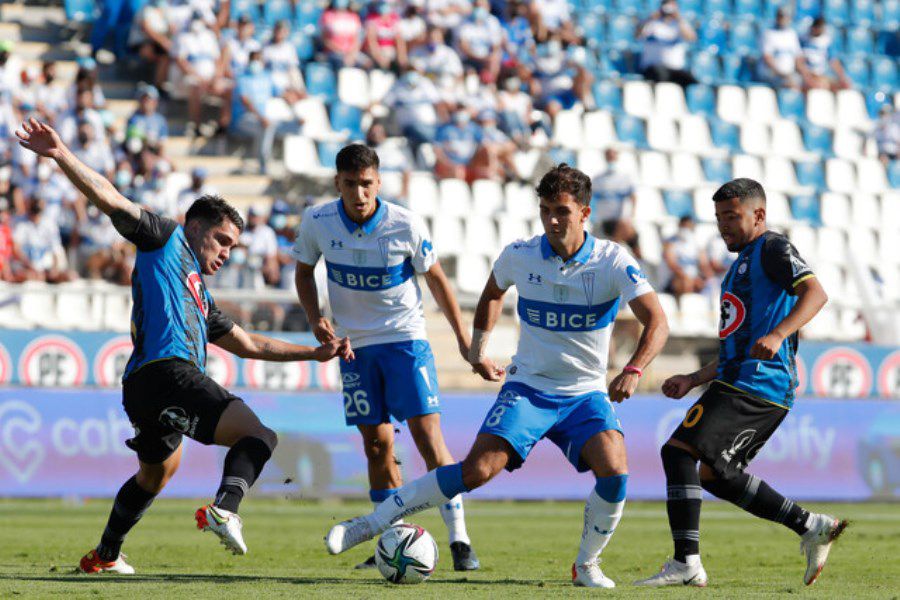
[(379, 84), (762, 104), (456, 198), (591, 161), (567, 129), (803, 237), (670, 100), (487, 197), (694, 136), (835, 210), (787, 140), (448, 236), (519, 200), (864, 208), (851, 109), (654, 168), (662, 133), (37, 302), (755, 138), (670, 307), (824, 325), (648, 205), (686, 170), (423, 194), (117, 312), (481, 236), (628, 164), (512, 228), (831, 246), (75, 309), (890, 210), (820, 107), (316, 123), (731, 104), (637, 98), (848, 143), (651, 246), (599, 129), (840, 175), (780, 174), (871, 176), (832, 279), (704, 207), (472, 270), (696, 315), (778, 212), (744, 165), (300, 154), (353, 87), (864, 245)]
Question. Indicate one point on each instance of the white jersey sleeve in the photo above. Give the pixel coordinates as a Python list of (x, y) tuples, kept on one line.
[(628, 277), (503, 269), (306, 246), (424, 256)]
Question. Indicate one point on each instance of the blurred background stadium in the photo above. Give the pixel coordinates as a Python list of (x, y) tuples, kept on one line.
[(467, 105)]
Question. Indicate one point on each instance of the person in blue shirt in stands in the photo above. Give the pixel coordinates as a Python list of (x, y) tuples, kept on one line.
[(456, 145)]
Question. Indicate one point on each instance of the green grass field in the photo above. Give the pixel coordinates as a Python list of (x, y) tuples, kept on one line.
[(526, 550)]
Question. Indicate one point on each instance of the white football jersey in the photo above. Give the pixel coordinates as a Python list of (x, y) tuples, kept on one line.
[(371, 269), (566, 310)]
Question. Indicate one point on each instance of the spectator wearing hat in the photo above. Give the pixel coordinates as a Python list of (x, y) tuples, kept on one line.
[(198, 187), (281, 60), (665, 36), (150, 38), (824, 69), (255, 87), (782, 64)]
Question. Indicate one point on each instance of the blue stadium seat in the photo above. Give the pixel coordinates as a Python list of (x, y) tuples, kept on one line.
[(874, 102), (277, 10), (562, 155), (817, 139), (691, 9), (630, 129), (838, 41), (805, 10), (719, 8), (320, 81), (240, 8), (328, 152), (791, 105), (81, 11), (701, 100), (859, 41), (806, 208), (748, 8), (857, 69), (347, 119), (706, 68), (884, 74), (734, 69), (888, 42), (890, 14), (743, 38), (307, 15), (592, 26), (810, 173), (836, 12), (678, 202), (630, 7), (620, 32), (894, 173), (598, 6), (607, 95), (717, 170), (863, 12), (725, 135), (770, 7), (712, 35), (305, 45)]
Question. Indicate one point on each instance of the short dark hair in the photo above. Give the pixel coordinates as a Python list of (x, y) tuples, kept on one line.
[(563, 178), (743, 189), (213, 209), (355, 158)]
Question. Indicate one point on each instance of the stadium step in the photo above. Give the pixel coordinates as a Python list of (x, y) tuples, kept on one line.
[(214, 165), (245, 185)]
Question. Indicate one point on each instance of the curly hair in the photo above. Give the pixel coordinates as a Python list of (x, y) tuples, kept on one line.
[(564, 179)]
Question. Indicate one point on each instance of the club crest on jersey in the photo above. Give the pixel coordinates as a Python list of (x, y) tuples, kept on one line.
[(742, 268), (198, 292), (560, 293), (359, 257), (731, 316)]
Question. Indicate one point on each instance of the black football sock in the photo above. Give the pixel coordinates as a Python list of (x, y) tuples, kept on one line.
[(128, 508), (684, 497), (756, 497), (243, 464)]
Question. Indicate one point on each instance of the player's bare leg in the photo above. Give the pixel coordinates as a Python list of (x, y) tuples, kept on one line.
[(488, 456), (384, 473), (429, 439), (132, 501), (252, 444), (605, 454)]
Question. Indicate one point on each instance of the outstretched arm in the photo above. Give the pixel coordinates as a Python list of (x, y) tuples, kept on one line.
[(677, 386), (41, 139), (260, 347), (656, 331)]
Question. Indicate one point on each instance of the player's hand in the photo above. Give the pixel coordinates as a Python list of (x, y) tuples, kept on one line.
[(767, 346), (335, 347), (488, 370), (677, 386), (323, 331), (40, 138), (622, 386)]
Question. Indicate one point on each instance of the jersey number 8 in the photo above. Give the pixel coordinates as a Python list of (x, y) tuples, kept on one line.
[(494, 418), (357, 401)]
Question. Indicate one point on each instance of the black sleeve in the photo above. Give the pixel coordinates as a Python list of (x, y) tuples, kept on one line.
[(217, 323), (152, 232), (783, 264)]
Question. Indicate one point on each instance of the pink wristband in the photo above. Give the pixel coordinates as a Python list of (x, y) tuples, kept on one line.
[(632, 369)]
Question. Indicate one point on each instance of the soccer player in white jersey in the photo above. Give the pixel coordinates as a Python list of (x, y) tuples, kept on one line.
[(372, 251), (570, 285)]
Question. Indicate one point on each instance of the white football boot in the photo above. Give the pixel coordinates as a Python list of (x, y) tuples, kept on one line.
[(227, 525), (590, 575), (816, 544), (347, 534), (674, 572)]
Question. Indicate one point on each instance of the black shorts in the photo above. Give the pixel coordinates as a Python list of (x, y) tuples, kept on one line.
[(728, 427), (167, 400)]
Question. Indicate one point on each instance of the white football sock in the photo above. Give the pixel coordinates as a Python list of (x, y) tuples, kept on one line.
[(600, 521), (454, 516), (397, 522), (413, 497)]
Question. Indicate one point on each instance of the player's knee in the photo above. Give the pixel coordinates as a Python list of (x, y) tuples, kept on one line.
[(268, 437), (476, 473), (378, 448), (153, 480)]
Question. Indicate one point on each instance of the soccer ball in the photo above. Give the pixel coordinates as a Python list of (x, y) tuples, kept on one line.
[(406, 554)]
